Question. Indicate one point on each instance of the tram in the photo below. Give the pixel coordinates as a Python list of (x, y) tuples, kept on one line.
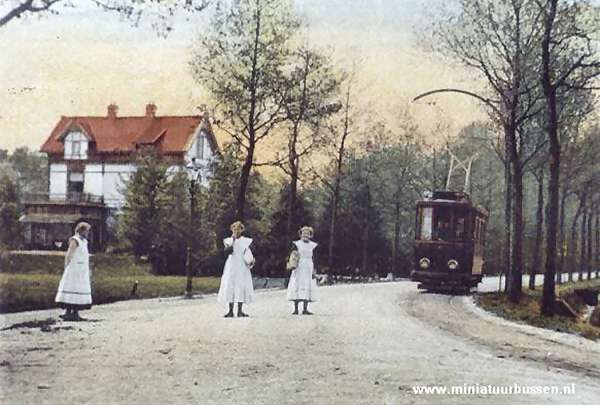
[(449, 242)]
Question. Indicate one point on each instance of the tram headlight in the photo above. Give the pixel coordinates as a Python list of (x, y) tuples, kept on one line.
[(424, 263), (452, 264)]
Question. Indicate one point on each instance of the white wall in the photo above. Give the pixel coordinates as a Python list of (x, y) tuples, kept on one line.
[(58, 180), (92, 183), (113, 184)]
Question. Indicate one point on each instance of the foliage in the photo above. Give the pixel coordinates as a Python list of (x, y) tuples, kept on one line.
[(528, 310), (9, 216), (241, 61), (275, 246), (155, 219), (160, 13)]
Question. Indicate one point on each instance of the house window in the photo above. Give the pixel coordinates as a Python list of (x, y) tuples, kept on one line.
[(75, 184), (76, 146), (200, 146)]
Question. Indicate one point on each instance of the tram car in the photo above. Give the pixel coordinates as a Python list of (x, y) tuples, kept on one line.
[(449, 243)]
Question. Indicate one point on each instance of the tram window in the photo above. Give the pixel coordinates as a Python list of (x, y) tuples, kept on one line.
[(442, 228), (459, 226), (426, 223)]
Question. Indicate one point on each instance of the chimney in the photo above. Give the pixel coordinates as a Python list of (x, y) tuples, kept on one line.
[(151, 110), (112, 110)]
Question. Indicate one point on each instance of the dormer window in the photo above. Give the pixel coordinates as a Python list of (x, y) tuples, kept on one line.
[(76, 145)]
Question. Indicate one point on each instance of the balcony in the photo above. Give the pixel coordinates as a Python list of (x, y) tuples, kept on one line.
[(70, 198)]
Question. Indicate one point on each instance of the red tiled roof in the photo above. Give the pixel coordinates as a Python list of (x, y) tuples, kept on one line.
[(121, 134)]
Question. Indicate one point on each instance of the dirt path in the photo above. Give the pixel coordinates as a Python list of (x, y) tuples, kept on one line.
[(365, 345)]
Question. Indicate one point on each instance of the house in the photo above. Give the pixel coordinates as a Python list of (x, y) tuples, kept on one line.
[(90, 159)]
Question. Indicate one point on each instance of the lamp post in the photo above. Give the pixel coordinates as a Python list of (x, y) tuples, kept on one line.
[(194, 174)]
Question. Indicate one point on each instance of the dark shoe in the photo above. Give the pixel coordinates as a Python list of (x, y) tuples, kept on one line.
[(295, 313), (69, 317), (307, 313), (242, 315), (228, 315)]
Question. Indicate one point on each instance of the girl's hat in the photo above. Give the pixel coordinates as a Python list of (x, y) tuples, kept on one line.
[(237, 224), (308, 229), (82, 226)]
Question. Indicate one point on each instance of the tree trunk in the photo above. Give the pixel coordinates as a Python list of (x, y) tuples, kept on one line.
[(251, 129), (243, 187), (561, 266), (583, 240), (334, 208), (572, 250), (292, 196), (366, 235), (588, 259), (597, 244), (549, 293), (396, 235), (515, 286), (338, 179), (507, 222), (539, 229)]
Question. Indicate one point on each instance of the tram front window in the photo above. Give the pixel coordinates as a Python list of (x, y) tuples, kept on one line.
[(442, 228), (442, 224), (459, 226), (426, 223), (449, 225)]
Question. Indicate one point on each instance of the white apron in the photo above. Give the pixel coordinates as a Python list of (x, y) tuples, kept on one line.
[(236, 281), (302, 286), (75, 285)]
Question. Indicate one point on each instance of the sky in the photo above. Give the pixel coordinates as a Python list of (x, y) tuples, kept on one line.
[(78, 62)]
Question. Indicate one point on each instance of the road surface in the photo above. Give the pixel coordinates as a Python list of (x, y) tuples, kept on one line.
[(367, 344)]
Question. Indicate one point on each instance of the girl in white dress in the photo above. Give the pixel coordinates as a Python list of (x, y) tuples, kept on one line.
[(75, 290), (302, 286), (236, 282)]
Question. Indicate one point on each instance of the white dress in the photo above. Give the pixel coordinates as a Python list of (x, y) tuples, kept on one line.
[(236, 282), (75, 287), (302, 286)]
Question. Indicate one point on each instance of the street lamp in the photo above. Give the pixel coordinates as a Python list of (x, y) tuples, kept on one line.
[(194, 171)]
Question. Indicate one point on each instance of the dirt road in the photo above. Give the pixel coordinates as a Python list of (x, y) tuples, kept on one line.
[(366, 344)]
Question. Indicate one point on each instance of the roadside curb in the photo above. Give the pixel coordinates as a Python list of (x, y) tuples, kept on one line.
[(530, 330)]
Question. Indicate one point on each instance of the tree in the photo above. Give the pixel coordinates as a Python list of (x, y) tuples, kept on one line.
[(10, 234), (277, 246), (397, 160), (220, 213), (569, 59), (539, 227), (140, 219), (134, 10), (339, 128), (312, 87), (31, 169), (241, 62), (361, 241)]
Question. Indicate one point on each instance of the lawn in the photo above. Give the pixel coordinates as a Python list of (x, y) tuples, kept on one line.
[(528, 309), (29, 282)]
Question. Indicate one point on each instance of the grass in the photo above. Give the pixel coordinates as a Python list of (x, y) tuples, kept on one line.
[(30, 282), (528, 310)]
